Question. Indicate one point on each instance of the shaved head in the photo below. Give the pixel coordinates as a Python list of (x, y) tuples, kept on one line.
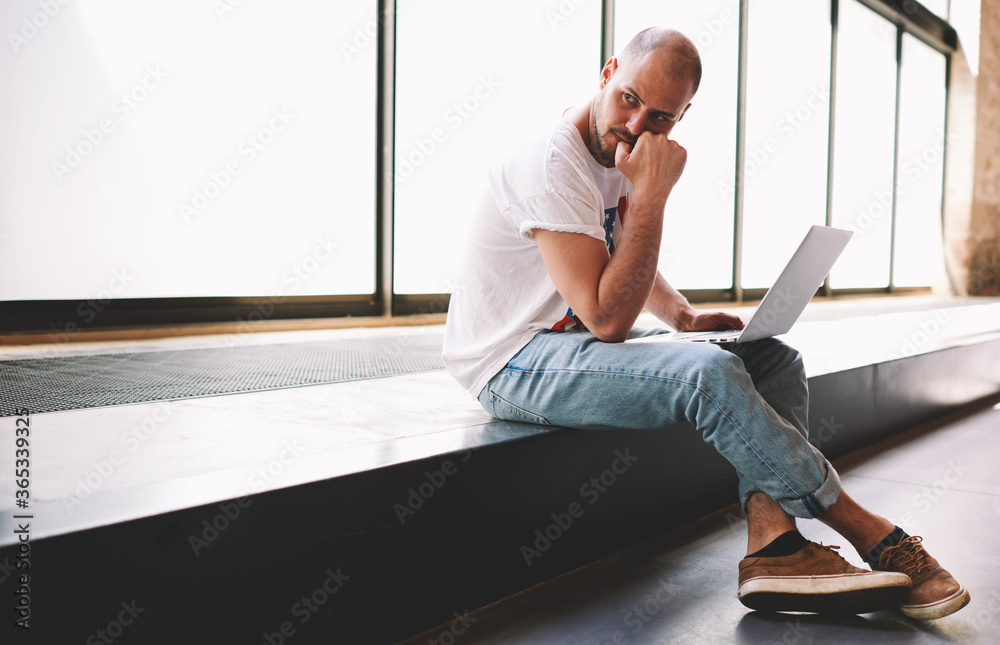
[(673, 51), (646, 88)]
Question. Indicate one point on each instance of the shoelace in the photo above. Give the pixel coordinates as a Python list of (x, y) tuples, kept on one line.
[(908, 557), (832, 548)]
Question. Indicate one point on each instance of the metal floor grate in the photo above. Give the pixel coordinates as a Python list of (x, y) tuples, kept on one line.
[(76, 382)]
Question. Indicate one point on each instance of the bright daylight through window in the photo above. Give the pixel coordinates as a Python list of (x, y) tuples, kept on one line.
[(174, 151)]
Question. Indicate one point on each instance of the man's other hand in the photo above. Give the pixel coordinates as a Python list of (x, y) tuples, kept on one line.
[(710, 321)]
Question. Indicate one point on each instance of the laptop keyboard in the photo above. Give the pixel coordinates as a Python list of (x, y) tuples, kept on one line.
[(729, 333)]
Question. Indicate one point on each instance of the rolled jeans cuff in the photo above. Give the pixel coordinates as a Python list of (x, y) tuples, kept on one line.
[(815, 503)]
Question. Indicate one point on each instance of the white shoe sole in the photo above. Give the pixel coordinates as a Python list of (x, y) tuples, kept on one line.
[(938, 609), (849, 593)]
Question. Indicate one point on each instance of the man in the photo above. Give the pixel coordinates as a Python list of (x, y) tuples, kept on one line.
[(561, 261)]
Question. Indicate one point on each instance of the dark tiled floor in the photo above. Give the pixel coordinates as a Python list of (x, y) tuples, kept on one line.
[(939, 481)]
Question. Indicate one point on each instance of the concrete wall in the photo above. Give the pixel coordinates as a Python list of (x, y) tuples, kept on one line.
[(960, 170), (984, 255), (972, 183)]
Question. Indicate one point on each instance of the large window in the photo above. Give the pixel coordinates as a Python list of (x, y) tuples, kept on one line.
[(187, 149), (463, 95), (864, 145), (917, 255), (698, 228), (787, 131), (210, 154)]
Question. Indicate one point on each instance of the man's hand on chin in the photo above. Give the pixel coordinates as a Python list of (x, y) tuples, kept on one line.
[(709, 321)]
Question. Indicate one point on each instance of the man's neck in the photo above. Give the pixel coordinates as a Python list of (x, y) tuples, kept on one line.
[(580, 116)]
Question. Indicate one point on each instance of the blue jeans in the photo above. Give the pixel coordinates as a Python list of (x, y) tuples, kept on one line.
[(749, 400)]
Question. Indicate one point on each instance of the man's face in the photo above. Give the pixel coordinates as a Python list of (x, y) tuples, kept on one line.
[(635, 98)]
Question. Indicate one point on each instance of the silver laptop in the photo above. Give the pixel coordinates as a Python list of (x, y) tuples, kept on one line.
[(784, 302)]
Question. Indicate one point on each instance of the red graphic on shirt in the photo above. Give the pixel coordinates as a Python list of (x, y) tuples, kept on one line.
[(568, 322), (622, 207)]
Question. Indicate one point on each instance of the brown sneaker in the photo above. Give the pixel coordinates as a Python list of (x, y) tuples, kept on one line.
[(817, 579), (935, 592)]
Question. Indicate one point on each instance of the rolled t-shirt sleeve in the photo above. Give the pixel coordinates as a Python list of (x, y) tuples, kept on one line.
[(555, 212)]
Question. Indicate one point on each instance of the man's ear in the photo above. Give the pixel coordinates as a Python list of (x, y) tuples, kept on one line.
[(683, 112), (608, 71)]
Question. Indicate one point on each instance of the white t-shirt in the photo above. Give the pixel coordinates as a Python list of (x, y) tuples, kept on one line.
[(504, 294)]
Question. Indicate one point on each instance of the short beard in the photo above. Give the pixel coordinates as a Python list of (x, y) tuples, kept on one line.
[(604, 157)]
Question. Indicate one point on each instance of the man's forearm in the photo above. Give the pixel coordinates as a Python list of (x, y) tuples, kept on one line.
[(628, 278), (669, 305), (609, 292)]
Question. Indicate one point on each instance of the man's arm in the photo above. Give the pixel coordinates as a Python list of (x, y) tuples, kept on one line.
[(667, 304), (607, 292)]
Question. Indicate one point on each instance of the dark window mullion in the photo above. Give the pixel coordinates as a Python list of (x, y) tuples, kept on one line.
[(944, 164), (834, 21), (895, 159), (607, 30), (385, 155), (741, 110)]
